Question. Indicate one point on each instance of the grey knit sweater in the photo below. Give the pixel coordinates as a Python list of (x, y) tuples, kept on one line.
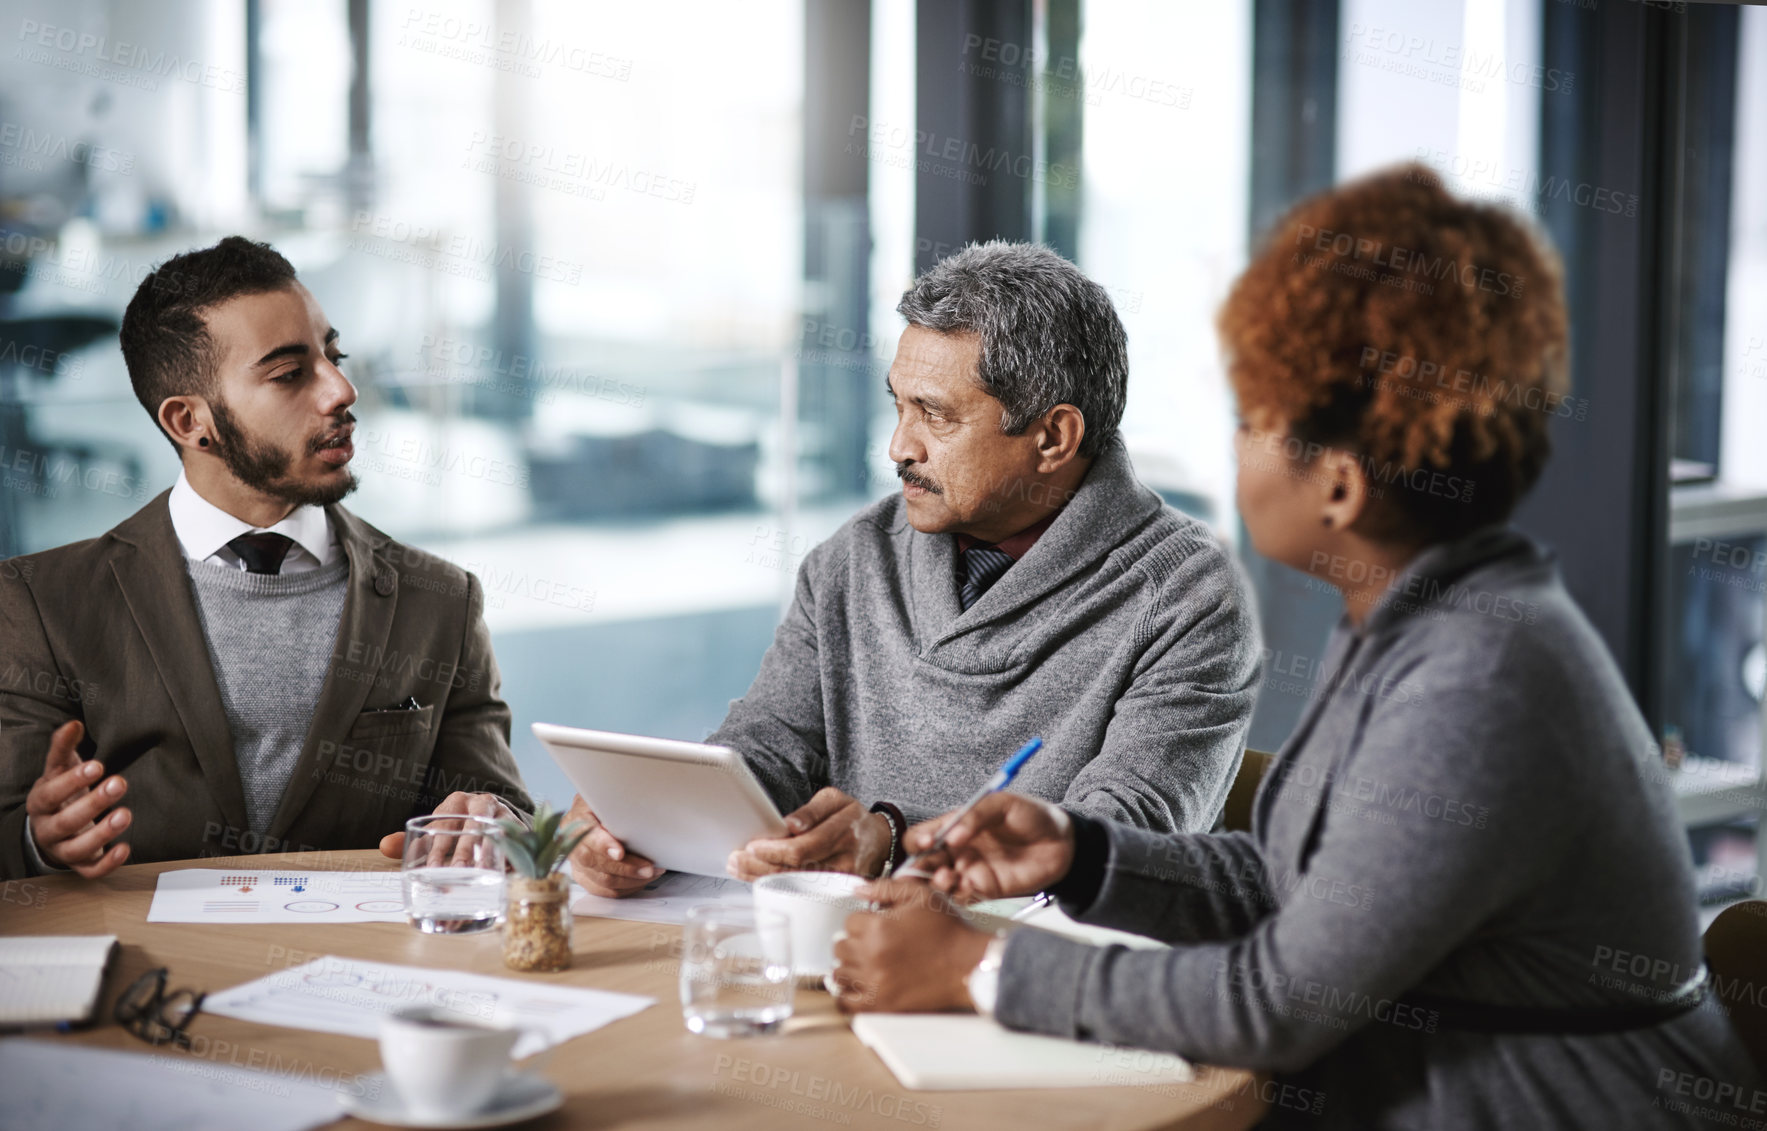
[(1125, 637), (1473, 810), (270, 640)]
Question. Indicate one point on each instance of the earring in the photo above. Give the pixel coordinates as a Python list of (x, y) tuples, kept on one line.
[(202, 442)]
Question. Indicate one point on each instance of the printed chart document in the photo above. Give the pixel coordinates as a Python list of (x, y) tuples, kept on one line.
[(211, 895), (666, 899), (57, 1085), (948, 1052), (48, 979), (350, 996)]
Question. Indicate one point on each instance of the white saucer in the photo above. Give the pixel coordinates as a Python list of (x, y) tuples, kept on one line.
[(521, 1095)]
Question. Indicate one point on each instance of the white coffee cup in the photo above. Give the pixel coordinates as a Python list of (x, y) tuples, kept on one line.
[(817, 905), (443, 1063)]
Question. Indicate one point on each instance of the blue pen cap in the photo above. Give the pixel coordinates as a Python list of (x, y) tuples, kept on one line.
[(1017, 761)]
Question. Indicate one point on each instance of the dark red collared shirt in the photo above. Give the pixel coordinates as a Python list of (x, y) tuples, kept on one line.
[(1014, 547)]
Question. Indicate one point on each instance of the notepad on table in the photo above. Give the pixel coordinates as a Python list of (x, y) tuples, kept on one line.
[(49, 979), (946, 1052)]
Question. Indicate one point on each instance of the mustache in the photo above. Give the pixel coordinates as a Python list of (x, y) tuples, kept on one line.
[(906, 473), (337, 435)]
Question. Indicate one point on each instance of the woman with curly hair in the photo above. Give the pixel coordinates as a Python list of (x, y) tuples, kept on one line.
[(1465, 900)]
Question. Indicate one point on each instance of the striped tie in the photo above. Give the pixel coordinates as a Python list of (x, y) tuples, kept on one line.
[(982, 567)]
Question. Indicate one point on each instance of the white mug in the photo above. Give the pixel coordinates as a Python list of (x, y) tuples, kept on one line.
[(443, 1063), (817, 905)]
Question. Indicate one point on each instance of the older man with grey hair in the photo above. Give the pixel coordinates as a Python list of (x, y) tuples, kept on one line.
[(1023, 582)]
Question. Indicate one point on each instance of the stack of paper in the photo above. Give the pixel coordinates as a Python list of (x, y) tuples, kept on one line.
[(350, 996), (665, 900), (947, 1052), (48, 979), (56, 1084)]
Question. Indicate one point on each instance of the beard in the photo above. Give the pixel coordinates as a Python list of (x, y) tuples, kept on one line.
[(262, 466)]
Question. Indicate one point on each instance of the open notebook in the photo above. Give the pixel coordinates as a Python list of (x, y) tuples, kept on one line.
[(48, 979), (949, 1052)]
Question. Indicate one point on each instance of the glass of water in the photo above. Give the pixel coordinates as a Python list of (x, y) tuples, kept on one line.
[(453, 874), (736, 978)]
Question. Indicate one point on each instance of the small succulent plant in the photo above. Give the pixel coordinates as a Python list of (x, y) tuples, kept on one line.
[(539, 850)]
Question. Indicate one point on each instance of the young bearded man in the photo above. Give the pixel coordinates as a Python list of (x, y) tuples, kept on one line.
[(1023, 582), (274, 673)]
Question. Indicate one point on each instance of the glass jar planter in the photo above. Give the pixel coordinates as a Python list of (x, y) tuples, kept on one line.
[(537, 929)]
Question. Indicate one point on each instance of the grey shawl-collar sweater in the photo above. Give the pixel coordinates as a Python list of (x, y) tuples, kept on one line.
[(1125, 637), (1475, 811)]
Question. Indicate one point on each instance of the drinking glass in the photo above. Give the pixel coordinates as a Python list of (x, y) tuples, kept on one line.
[(453, 874), (736, 976)]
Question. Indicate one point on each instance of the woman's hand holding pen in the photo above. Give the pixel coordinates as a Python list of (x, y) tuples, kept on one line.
[(1007, 845), (914, 952)]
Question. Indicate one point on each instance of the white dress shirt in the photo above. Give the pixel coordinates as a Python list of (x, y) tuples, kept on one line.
[(204, 530)]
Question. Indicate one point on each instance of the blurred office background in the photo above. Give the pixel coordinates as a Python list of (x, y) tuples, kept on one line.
[(617, 281)]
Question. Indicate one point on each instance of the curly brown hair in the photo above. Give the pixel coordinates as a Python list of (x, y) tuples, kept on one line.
[(1423, 332)]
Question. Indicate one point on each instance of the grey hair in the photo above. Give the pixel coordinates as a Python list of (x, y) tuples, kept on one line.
[(1049, 334)]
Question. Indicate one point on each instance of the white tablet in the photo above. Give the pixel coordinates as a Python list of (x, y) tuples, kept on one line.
[(685, 805)]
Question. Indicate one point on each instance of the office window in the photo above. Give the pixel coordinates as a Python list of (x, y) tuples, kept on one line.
[(580, 281), (1165, 96), (1714, 669)]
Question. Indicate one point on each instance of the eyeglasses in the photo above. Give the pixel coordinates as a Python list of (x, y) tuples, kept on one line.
[(148, 1011)]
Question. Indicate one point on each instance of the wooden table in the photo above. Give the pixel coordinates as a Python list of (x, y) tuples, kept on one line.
[(645, 1071)]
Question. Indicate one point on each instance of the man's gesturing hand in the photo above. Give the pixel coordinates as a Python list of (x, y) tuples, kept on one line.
[(832, 832), (66, 809)]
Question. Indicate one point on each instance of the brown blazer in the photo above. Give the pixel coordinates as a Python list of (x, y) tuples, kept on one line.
[(106, 631)]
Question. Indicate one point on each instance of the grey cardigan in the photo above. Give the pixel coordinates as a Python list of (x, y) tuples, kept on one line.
[(1125, 637), (1472, 809)]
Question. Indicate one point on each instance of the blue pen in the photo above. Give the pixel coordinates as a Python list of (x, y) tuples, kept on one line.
[(1001, 779)]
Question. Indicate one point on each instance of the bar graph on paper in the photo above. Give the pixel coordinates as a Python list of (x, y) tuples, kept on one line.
[(213, 895)]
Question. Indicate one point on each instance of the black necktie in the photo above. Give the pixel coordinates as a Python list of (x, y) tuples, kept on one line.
[(982, 567), (261, 553)]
